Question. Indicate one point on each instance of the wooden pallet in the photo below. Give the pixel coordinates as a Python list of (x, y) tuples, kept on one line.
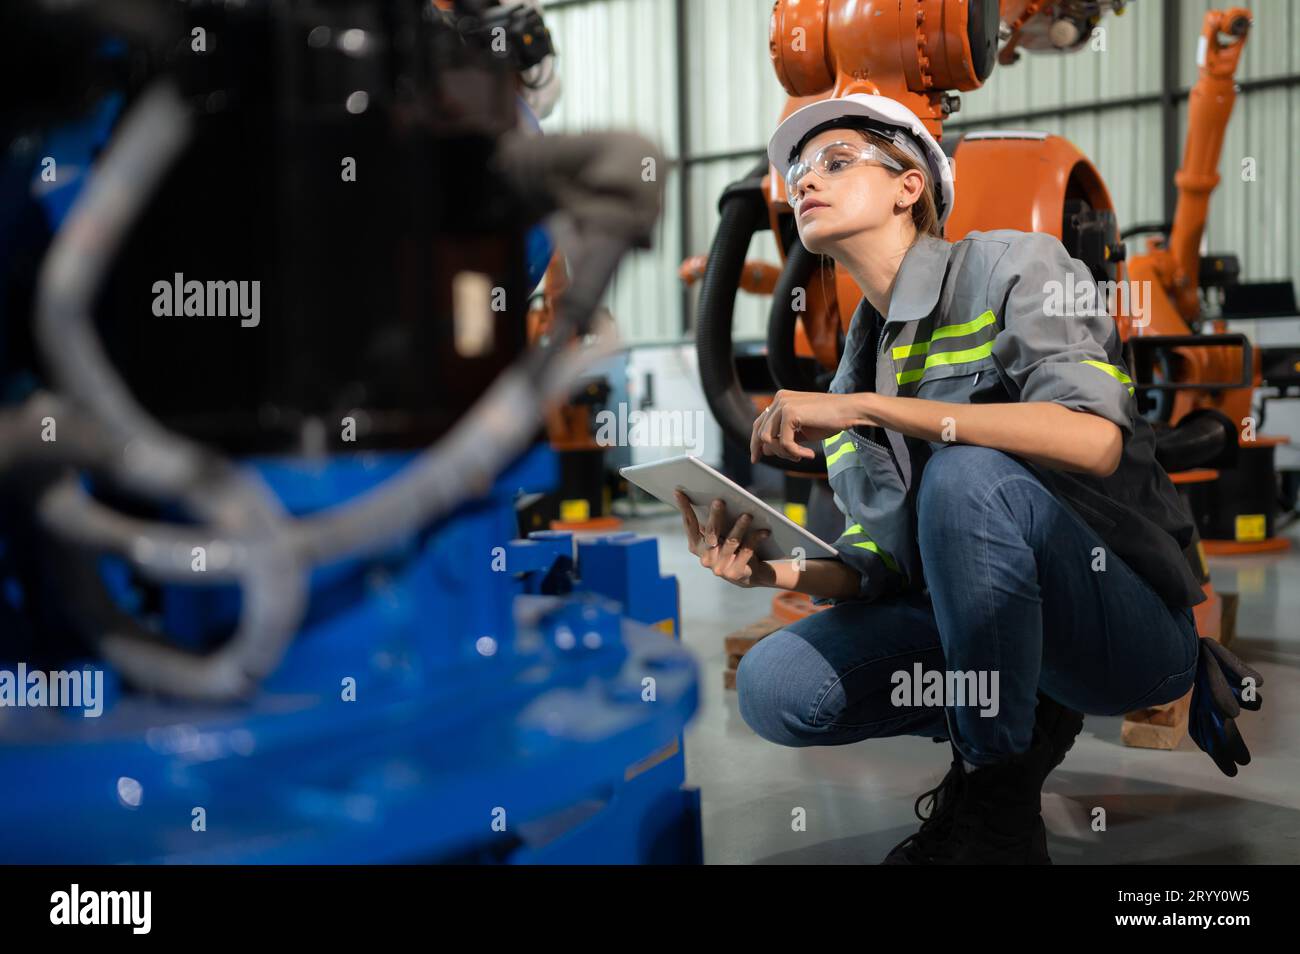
[(1164, 727), (742, 641)]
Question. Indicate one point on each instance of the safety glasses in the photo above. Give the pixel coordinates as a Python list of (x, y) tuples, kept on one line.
[(831, 160)]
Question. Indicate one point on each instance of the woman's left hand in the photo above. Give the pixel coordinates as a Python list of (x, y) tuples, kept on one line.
[(804, 415)]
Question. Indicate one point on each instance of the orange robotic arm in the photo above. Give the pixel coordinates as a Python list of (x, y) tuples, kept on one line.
[(1172, 268), (1223, 35)]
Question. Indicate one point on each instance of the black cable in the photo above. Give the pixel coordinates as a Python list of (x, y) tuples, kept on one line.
[(1163, 228)]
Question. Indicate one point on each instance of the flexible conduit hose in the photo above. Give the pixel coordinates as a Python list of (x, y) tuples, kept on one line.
[(1203, 438), (787, 372), (743, 213), (604, 206)]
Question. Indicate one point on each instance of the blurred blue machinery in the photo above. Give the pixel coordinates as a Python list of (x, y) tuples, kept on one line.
[(464, 697), (461, 697)]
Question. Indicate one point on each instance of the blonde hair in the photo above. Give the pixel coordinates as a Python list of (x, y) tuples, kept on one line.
[(925, 214)]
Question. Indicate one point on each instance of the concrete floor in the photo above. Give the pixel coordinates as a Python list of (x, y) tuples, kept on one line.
[(1161, 807)]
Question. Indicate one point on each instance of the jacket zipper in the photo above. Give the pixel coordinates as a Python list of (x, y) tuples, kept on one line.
[(875, 370), (880, 350)]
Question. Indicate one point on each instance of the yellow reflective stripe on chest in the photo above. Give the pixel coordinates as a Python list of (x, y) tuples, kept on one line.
[(962, 356), (1113, 371)]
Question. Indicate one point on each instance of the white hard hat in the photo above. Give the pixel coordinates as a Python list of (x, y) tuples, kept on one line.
[(887, 116)]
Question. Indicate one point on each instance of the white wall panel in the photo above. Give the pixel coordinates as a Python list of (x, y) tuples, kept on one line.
[(618, 66), (735, 98)]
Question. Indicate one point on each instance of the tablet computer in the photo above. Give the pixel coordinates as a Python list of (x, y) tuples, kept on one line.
[(702, 484)]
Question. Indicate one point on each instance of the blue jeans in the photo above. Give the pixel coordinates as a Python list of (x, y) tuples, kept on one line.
[(1017, 593)]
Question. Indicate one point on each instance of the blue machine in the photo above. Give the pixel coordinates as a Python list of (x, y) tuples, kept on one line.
[(459, 696), (442, 702)]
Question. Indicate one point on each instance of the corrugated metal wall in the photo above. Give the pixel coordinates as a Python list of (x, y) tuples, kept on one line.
[(619, 66)]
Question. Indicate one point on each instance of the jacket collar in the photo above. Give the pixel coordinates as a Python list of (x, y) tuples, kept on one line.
[(920, 279)]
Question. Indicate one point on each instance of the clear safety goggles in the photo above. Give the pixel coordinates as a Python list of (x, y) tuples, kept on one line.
[(832, 159)]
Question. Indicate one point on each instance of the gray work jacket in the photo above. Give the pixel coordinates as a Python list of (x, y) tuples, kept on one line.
[(997, 317)]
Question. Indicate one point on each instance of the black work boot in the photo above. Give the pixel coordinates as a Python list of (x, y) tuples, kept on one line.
[(1060, 727), (997, 820), (1055, 729), (920, 847)]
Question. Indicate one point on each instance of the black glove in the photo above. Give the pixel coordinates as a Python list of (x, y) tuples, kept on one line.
[(1217, 699)]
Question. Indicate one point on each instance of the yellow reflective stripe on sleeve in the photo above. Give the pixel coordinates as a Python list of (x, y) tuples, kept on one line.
[(1113, 371), (845, 448), (1110, 369), (870, 545), (832, 439)]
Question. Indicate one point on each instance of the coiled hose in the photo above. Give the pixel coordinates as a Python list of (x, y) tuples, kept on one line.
[(742, 214)]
